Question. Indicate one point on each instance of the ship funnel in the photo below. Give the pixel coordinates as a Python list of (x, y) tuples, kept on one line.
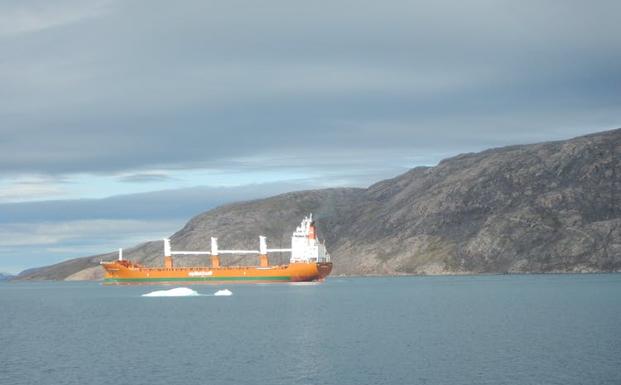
[(167, 252), (120, 254)]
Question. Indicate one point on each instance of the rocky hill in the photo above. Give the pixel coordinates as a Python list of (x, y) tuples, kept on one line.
[(549, 207)]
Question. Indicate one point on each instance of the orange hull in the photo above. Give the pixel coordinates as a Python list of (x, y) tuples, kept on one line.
[(127, 273)]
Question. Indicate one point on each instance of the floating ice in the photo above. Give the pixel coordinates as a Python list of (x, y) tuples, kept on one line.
[(176, 292), (223, 292)]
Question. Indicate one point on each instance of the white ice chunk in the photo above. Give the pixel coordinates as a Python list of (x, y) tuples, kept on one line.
[(176, 292)]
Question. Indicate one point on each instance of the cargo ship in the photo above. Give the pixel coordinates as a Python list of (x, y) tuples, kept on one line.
[(309, 261)]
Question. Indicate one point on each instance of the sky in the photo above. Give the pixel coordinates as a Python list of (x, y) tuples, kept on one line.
[(120, 120)]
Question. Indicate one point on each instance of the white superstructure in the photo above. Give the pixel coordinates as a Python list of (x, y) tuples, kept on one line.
[(305, 247)]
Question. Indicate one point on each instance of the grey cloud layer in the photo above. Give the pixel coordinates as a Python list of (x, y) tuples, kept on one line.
[(179, 204), (138, 85)]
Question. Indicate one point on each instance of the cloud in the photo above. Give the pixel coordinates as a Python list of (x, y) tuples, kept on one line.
[(147, 85), (176, 204), (31, 187), (25, 245), (96, 231), (145, 178), (26, 17)]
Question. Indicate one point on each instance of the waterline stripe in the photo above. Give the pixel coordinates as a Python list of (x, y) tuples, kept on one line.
[(186, 279)]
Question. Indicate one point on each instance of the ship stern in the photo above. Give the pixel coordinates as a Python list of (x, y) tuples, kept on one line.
[(324, 269)]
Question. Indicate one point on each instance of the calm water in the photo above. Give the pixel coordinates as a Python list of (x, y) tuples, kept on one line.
[(410, 330)]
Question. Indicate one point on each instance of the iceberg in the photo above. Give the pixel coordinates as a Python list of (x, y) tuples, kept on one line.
[(176, 292)]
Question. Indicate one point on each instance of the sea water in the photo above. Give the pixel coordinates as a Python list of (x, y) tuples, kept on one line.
[(532, 329)]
